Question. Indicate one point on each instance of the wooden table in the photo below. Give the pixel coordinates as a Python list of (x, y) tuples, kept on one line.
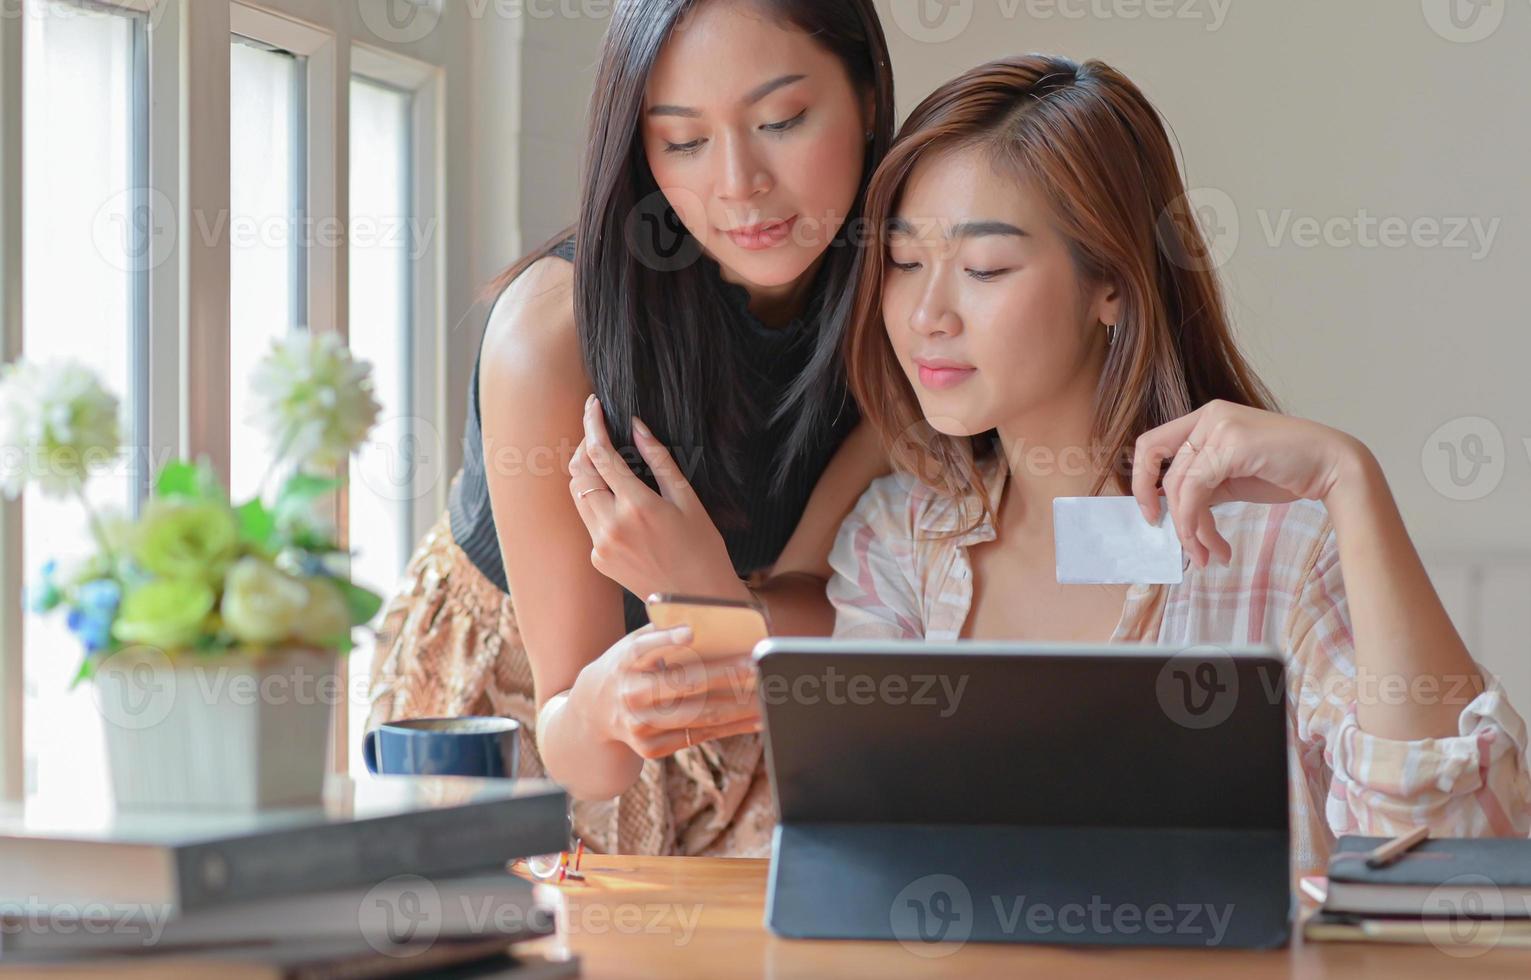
[(704, 917)]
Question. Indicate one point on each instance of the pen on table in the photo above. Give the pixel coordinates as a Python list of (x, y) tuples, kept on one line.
[(1386, 854)]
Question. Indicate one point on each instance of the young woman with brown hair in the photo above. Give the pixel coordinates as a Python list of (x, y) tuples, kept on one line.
[(1040, 321)]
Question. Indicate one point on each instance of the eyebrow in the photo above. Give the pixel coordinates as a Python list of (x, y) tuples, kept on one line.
[(968, 229), (750, 98)]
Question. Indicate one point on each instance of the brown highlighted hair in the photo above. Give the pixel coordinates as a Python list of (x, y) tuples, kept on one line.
[(1097, 152)]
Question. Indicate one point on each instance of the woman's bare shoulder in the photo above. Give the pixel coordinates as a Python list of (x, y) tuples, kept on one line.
[(531, 347)]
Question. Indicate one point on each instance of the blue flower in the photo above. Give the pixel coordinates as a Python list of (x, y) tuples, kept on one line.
[(100, 597), (43, 594), (91, 621)]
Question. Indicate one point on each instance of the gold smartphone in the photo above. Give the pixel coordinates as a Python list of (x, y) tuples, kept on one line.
[(719, 627)]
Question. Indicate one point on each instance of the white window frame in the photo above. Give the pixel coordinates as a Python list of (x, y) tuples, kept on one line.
[(332, 58), (13, 571), (12, 574), (427, 167), (321, 145), (188, 172), (426, 86), (155, 405)]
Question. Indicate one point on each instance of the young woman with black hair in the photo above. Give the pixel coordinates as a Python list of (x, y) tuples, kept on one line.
[(697, 304)]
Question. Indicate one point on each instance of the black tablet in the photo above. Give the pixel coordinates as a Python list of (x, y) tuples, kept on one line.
[(936, 793)]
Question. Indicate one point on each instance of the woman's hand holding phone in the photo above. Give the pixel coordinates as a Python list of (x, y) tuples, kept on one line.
[(657, 695)]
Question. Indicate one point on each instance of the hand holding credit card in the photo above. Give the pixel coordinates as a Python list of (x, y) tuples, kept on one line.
[(1105, 540)]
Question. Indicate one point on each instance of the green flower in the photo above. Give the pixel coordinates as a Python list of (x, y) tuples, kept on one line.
[(260, 603), (164, 613), (326, 619), (182, 540)]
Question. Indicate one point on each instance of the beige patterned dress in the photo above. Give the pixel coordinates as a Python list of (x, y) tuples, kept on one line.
[(448, 646)]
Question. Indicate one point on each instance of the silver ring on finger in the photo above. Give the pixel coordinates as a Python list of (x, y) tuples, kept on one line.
[(585, 493)]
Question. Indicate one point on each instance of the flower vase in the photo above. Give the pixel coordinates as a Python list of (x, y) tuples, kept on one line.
[(233, 731)]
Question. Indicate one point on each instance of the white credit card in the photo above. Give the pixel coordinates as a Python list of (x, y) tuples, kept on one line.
[(1105, 540)]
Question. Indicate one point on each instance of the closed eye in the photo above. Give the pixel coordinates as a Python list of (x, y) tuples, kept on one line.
[(782, 127), (904, 266), (685, 149), (986, 275)]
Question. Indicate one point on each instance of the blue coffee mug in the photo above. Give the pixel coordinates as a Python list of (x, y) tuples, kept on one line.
[(482, 746)]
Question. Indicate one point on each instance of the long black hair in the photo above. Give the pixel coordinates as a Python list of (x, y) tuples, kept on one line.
[(650, 323)]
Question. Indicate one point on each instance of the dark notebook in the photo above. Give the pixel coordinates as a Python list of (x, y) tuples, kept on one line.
[(1446, 877), (366, 831), (1342, 927), (312, 960), (404, 909)]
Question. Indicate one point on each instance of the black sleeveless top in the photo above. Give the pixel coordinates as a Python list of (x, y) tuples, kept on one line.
[(770, 518)]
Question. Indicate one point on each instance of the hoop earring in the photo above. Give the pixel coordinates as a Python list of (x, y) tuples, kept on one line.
[(1110, 334)]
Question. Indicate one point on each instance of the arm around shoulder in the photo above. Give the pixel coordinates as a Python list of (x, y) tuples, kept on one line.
[(795, 593), (874, 589)]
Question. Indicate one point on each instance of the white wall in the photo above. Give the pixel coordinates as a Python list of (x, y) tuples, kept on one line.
[(558, 61), (525, 109), (532, 73)]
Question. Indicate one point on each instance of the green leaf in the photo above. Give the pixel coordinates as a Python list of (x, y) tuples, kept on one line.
[(309, 540), (342, 644), (209, 643), (91, 661), (257, 526), (299, 493), (363, 603), (84, 672), (178, 478)]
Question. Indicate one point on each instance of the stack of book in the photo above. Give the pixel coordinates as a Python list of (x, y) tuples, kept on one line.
[(1448, 892), (389, 877)]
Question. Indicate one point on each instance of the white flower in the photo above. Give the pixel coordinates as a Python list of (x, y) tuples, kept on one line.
[(57, 422), (313, 399), (260, 603), (326, 618)]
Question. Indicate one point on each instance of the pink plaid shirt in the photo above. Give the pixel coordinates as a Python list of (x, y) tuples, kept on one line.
[(1282, 589)]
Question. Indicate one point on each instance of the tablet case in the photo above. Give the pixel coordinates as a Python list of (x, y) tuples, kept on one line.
[(941, 793)]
